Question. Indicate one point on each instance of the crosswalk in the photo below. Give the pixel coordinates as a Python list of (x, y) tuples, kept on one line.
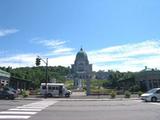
[(156, 103), (25, 111)]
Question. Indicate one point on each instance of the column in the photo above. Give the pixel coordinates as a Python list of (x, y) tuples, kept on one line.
[(88, 85)]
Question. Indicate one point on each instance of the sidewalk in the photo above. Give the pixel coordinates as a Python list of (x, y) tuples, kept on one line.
[(81, 96)]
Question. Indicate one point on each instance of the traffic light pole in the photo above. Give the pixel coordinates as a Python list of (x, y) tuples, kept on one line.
[(46, 81), (46, 74)]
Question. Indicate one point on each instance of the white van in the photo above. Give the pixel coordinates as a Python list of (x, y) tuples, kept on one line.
[(54, 90), (152, 95)]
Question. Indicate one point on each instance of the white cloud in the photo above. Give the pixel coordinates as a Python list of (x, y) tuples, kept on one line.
[(127, 57), (19, 60), (5, 32), (129, 50), (61, 51), (62, 60), (51, 43), (56, 47)]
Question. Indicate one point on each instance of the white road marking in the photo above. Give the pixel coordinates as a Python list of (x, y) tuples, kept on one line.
[(17, 109), (30, 107), (155, 103), (20, 113), (13, 117), (25, 111)]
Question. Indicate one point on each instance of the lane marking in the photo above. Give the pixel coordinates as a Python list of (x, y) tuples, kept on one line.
[(21, 113), (13, 117)]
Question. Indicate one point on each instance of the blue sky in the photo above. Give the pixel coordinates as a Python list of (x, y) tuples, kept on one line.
[(116, 34)]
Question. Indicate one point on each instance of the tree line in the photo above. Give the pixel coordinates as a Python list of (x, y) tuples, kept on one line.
[(37, 74), (115, 80)]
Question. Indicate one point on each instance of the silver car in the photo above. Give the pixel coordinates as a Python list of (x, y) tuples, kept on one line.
[(152, 95)]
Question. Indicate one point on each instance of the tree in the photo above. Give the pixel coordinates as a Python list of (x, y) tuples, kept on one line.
[(37, 74)]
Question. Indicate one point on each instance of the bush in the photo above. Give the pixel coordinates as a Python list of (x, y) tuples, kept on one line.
[(140, 93), (127, 94), (100, 91), (134, 88), (25, 93), (113, 94)]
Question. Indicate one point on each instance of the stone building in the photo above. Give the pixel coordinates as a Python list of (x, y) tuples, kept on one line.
[(17, 83), (148, 78), (4, 78), (81, 70)]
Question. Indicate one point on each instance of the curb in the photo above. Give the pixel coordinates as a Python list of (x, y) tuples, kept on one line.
[(121, 99), (69, 99), (77, 99)]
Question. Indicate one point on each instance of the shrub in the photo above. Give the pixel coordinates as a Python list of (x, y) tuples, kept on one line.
[(113, 94), (25, 93), (127, 94), (134, 88), (140, 93), (101, 91)]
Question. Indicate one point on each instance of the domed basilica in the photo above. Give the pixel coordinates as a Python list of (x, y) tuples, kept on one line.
[(81, 70)]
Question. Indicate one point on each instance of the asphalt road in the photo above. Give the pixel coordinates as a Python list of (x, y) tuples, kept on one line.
[(50, 109)]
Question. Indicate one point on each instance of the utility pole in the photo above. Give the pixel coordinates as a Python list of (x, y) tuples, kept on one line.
[(38, 60), (46, 81)]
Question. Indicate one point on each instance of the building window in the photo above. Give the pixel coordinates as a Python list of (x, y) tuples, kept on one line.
[(155, 83)]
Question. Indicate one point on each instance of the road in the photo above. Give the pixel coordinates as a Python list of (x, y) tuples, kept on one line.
[(51, 109)]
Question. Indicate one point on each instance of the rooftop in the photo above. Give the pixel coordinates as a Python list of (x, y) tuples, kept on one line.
[(4, 73)]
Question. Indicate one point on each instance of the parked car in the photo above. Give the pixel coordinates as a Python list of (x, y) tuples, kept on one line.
[(7, 95), (6, 88), (152, 95)]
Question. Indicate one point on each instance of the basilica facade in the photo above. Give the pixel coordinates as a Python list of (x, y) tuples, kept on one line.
[(81, 70)]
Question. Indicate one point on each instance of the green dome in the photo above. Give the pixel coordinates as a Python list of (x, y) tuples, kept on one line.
[(81, 55)]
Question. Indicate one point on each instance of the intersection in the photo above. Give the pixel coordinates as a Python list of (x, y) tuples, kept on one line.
[(51, 109)]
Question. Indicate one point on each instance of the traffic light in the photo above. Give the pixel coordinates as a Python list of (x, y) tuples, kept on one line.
[(38, 61)]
